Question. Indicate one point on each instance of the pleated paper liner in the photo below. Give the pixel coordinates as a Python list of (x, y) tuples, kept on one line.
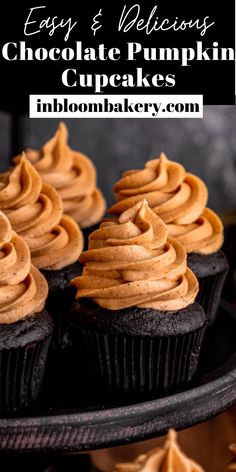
[(21, 374), (126, 365)]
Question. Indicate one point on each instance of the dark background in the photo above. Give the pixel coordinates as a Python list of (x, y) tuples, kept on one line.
[(205, 146)]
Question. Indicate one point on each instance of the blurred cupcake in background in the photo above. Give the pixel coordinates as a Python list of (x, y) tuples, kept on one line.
[(180, 199), (74, 176), (232, 465), (168, 458), (25, 327)]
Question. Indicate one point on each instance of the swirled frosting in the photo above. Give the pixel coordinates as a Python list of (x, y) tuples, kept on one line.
[(23, 289), (169, 458), (232, 465), (62, 244), (131, 262), (178, 197), (35, 211), (73, 175)]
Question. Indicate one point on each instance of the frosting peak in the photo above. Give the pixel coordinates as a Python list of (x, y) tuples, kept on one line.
[(20, 186), (35, 211), (73, 175), (178, 197), (131, 262), (56, 155), (23, 290), (170, 458)]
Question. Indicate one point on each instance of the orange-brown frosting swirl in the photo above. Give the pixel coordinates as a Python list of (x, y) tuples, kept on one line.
[(23, 289), (73, 175), (35, 211), (58, 248), (232, 465), (131, 262), (169, 458), (178, 197)]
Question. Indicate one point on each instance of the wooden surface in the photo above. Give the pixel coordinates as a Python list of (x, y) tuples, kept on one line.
[(207, 443)]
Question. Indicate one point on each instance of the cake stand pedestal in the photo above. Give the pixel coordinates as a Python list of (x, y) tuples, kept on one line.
[(65, 427)]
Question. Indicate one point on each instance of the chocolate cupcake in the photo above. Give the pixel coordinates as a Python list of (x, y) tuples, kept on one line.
[(25, 327), (168, 458), (35, 211), (135, 320), (180, 199), (74, 176)]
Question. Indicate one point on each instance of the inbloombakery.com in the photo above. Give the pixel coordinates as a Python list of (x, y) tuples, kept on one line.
[(116, 106)]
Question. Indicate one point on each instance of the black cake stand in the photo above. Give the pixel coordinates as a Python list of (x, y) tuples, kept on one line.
[(62, 423)]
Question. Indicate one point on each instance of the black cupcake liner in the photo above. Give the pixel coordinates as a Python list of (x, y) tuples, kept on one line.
[(21, 374), (209, 295), (126, 365)]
